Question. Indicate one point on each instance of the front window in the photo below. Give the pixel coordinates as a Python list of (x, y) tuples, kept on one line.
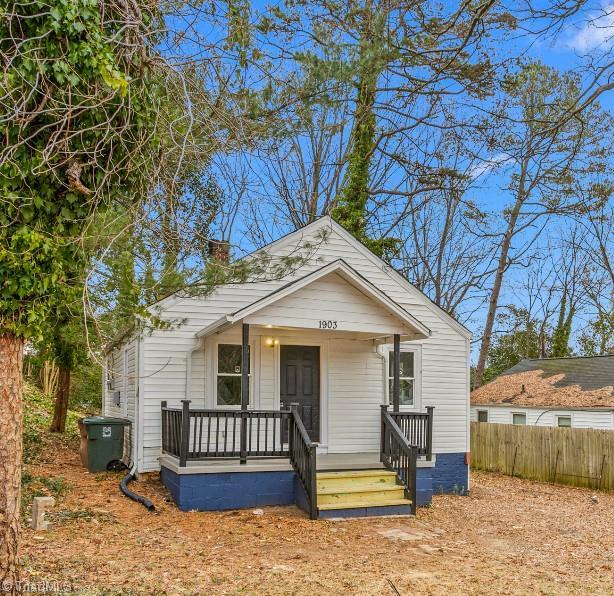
[(564, 421), (519, 419), (407, 378), (229, 374)]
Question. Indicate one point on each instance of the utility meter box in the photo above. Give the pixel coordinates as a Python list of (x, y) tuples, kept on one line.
[(102, 441)]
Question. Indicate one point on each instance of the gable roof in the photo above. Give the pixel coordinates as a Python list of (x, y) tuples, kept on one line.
[(341, 268), (583, 382), (327, 221)]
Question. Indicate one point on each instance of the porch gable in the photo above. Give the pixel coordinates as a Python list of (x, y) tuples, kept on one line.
[(334, 298)]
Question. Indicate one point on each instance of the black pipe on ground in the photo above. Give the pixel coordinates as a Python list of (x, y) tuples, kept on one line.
[(123, 485)]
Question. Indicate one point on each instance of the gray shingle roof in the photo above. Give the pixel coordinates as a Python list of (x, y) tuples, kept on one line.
[(572, 382), (589, 373)]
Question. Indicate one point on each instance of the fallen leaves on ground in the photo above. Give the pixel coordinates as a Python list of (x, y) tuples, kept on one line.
[(508, 536)]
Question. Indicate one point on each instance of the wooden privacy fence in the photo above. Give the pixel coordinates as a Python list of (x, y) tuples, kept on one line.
[(576, 456)]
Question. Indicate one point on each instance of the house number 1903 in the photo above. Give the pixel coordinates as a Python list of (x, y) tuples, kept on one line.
[(328, 324)]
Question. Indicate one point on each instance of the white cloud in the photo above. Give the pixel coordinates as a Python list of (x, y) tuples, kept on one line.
[(487, 165), (597, 32)]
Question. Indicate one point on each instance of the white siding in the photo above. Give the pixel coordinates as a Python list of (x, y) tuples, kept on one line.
[(355, 393), (122, 362), (590, 418), (355, 371), (331, 299)]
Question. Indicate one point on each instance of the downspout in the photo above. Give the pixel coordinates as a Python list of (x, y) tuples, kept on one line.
[(131, 475), (123, 485), (380, 351), (188, 368)]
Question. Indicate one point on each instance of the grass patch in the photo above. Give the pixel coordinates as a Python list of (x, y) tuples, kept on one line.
[(86, 514), (40, 486), (37, 416)]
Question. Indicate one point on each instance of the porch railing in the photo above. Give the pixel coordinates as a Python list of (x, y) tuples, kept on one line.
[(398, 455), (197, 434), (303, 459), (418, 429)]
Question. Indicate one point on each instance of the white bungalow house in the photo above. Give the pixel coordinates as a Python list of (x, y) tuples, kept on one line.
[(355, 400), (575, 392)]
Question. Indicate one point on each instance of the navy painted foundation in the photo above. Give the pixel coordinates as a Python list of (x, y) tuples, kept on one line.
[(450, 475), (365, 511), (241, 490), (232, 490)]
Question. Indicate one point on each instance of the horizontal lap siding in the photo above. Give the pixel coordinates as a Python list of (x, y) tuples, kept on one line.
[(599, 419), (124, 381), (444, 355), (354, 396), (127, 389), (355, 392), (114, 365), (267, 377), (330, 298)]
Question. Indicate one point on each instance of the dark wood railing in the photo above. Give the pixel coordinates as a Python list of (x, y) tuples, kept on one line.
[(302, 454), (398, 455), (196, 434), (171, 430), (418, 429)]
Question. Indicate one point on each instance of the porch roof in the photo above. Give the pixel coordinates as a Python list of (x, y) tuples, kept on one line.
[(415, 329)]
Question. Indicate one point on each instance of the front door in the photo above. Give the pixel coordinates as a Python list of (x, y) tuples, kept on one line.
[(300, 385)]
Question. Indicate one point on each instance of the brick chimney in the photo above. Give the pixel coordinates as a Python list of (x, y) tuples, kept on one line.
[(219, 250)]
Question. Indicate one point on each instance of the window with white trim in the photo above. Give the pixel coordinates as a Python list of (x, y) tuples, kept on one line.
[(407, 378), (519, 419), (229, 374), (563, 421), (482, 415)]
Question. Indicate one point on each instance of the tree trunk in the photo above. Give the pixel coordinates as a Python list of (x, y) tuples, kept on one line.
[(493, 303), (60, 408), (11, 388), (350, 206)]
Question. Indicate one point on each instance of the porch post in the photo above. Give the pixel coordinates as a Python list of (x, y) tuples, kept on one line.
[(184, 445), (429, 433), (396, 372), (244, 390)]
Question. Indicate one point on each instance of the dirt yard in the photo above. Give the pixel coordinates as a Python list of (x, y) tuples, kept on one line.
[(508, 536)]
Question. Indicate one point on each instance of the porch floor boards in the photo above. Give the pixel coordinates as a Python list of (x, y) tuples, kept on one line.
[(325, 462)]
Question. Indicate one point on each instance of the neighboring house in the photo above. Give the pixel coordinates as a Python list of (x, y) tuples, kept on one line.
[(329, 347), (567, 392)]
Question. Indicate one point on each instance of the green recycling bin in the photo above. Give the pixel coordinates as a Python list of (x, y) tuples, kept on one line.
[(102, 441)]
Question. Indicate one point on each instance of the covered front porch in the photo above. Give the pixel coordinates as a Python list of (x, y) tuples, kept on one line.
[(216, 459), (313, 351)]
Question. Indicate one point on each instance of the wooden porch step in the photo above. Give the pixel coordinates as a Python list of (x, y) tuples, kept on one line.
[(368, 496), (342, 480), (359, 489)]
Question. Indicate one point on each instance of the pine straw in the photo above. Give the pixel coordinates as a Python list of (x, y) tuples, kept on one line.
[(508, 536), (541, 389)]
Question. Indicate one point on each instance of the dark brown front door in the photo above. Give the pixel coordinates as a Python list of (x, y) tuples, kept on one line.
[(300, 385)]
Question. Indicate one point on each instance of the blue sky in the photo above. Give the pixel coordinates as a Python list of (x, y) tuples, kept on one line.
[(588, 33)]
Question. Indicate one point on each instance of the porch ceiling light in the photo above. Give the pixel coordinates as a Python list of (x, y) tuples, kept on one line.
[(271, 342)]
